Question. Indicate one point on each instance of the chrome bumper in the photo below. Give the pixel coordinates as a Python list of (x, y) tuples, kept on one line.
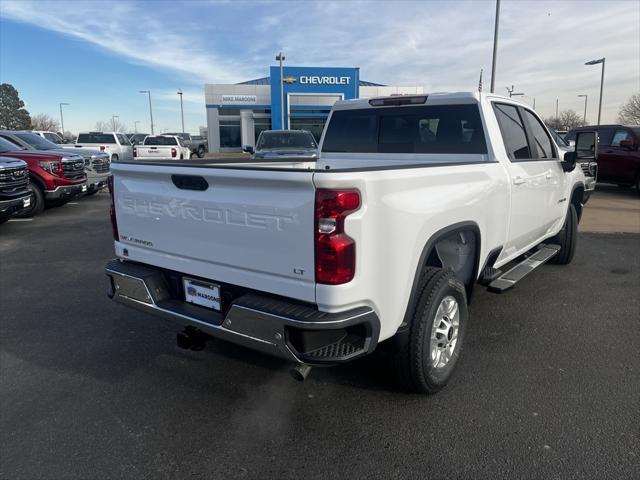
[(294, 332)]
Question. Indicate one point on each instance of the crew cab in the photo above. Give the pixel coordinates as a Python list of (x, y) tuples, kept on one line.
[(55, 178), (618, 154), (161, 147), (97, 165), (275, 144), (115, 144), (15, 194), (376, 245), (196, 145)]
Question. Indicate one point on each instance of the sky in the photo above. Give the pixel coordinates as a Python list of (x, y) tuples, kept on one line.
[(97, 56)]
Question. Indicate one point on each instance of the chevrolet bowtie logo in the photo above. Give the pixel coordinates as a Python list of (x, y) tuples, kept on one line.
[(289, 79)]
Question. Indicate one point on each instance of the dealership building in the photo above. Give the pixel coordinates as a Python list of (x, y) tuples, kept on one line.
[(237, 113)]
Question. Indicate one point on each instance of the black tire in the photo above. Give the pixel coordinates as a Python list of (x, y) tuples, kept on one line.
[(37, 203), (200, 152), (91, 192), (4, 219), (114, 158), (566, 238), (413, 363)]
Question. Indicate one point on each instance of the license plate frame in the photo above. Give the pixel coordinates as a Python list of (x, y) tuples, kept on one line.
[(203, 294)]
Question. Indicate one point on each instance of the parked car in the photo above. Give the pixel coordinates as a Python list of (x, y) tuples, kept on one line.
[(97, 165), (198, 146), (136, 138), (618, 153), (161, 147), (55, 178), (589, 168), (15, 193), (276, 144), (378, 244), (115, 144)]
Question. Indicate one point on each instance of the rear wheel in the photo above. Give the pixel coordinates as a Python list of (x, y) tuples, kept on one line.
[(114, 158), (430, 351), (37, 203), (566, 238), (200, 151)]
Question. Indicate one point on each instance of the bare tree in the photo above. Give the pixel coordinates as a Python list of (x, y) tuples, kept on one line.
[(567, 120), (42, 121), (570, 119), (629, 113), (112, 125)]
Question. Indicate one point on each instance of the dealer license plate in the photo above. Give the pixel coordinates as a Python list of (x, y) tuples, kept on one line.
[(202, 293)]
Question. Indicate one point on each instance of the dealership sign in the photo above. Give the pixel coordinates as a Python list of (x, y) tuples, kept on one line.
[(238, 99), (317, 80)]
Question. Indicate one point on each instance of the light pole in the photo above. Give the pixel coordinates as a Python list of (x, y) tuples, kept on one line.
[(584, 119), (135, 125), (181, 109), (280, 58), (495, 47), (595, 62), (61, 118), (148, 92), (556, 108), (113, 121)]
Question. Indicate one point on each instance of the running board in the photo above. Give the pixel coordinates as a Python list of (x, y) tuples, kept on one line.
[(524, 268)]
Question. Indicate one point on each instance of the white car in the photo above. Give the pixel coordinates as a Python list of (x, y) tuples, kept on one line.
[(161, 147), (117, 145), (413, 202)]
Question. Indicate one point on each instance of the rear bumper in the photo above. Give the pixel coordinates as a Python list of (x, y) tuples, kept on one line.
[(65, 191), (291, 331)]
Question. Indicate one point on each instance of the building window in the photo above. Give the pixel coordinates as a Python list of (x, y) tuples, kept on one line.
[(230, 134), (228, 111), (315, 125), (260, 124)]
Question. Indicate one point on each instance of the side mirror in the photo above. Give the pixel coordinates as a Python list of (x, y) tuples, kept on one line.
[(627, 144), (248, 149), (569, 161)]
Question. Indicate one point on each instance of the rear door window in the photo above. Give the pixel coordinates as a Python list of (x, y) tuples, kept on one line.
[(444, 129), (513, 132), (540, 136), (619, 136)]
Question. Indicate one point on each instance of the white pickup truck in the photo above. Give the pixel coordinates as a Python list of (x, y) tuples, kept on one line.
[(115, 144), (161, 147), (413, 202)]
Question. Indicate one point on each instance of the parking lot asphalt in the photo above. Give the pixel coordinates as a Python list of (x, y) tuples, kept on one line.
[(548, 385)]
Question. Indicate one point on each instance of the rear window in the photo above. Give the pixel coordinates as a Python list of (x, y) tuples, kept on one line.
[(52, 137), (96, 138), (285, 139), (160, 141), (425, 129)]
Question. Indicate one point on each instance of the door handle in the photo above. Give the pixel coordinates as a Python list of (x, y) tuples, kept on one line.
[(518, 181)]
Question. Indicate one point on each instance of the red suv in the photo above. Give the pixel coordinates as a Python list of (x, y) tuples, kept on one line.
[(618, 153), (55, 179)]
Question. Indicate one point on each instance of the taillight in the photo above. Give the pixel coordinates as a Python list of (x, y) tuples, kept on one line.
[(174, 152), (112, 210), (335, 250), (102, 148), (135, 152)]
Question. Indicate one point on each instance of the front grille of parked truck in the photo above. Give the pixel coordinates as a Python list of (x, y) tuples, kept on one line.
[(15, 179), (73, 169), (101, 165)]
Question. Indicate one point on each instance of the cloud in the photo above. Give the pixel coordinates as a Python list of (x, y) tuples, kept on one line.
[(132, 31), (440, 45)]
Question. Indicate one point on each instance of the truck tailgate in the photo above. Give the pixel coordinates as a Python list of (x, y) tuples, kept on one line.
[(248, 227), (149, 151)]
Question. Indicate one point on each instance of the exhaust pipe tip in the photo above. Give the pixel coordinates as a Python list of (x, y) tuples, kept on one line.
[(300, 372)]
